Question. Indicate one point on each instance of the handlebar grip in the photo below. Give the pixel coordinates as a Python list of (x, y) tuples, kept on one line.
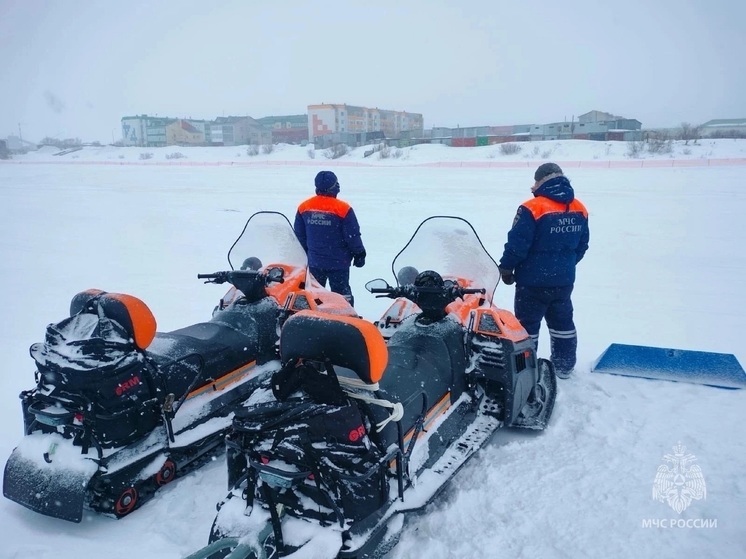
[(381, 290), (474, 290), (215, 275)]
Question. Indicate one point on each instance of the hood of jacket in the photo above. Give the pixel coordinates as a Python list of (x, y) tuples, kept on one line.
[(558, 189)]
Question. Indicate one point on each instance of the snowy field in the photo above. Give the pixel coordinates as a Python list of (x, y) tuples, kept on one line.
[(575, 153), (665, 268)]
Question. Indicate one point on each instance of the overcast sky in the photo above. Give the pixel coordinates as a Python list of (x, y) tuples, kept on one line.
[(74, 68)]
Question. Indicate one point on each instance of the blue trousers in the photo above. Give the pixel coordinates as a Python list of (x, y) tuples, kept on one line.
[(339, 281), (532, 304)]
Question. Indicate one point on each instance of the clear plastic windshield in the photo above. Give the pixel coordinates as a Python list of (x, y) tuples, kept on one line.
[(450, 246), (268, 237)]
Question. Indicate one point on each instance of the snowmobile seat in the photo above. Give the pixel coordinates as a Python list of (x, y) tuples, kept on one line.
[(425, 366), (345, 341), (208, 349)]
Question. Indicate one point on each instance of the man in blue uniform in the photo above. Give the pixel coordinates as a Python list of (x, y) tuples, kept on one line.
[(549, 237), (328, 230)]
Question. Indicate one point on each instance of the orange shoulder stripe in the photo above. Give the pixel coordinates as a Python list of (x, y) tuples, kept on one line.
[(325, 204), (541, 206), (577, 206)]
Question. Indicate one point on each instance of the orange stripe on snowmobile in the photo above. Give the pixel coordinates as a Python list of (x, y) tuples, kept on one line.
[(433, 413), (541, 206), (224, 381)]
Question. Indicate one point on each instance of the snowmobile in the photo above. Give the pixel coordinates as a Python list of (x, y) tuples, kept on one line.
[(120, 410), (362, 429)]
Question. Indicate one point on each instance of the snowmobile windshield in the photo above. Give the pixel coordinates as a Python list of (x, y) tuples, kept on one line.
[(450, 246), (267, 238)]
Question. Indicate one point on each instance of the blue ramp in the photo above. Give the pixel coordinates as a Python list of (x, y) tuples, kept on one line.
[(680, 365)]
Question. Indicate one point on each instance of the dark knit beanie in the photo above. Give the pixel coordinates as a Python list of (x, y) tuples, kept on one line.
[(326, 183), (546, 169)]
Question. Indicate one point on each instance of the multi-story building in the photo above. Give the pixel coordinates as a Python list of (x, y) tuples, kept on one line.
[(333, 119), (133, 130), (185, 133), (238, 130), (287, 129), (145, 131)]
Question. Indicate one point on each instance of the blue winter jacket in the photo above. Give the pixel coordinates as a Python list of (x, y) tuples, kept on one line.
[(328, 230), (549, 237)]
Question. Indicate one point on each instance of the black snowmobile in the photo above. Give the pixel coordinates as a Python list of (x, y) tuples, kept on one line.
[(120, 410), (362, 431)]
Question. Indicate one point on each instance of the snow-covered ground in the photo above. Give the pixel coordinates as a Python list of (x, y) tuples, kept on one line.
[(574, 153), (665, 268)]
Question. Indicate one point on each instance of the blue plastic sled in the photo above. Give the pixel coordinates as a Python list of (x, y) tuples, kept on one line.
[(700, 367)]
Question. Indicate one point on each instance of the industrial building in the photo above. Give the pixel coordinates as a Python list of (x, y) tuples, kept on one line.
[(724, 128)]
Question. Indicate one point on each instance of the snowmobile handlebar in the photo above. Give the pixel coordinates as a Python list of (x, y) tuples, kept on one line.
[(474, 290), (217, 277), (450, 291), (429, 292), (251, 283), (274, 274)]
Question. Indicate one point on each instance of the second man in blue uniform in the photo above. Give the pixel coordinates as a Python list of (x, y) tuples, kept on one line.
[(329, 232)]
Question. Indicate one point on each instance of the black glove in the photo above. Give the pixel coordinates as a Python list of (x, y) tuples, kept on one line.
[(358, 260), (507, 276)]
